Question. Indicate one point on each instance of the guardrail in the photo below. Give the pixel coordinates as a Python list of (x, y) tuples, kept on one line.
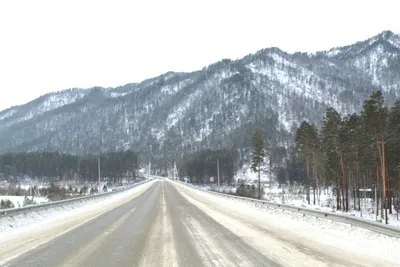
[(353, 221), (17, 211)]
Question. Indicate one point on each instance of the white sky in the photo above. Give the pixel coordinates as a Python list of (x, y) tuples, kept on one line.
[(53, 45)]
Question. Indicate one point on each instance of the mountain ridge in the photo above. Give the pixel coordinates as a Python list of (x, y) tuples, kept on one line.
[(216, 107)]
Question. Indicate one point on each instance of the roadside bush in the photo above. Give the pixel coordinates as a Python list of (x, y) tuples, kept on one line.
[(93, 190), (54, 192), (247, 191), (83, 190), (28, 201), (6, 204)]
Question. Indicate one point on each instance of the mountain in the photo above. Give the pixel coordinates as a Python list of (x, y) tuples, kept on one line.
[(216, 107)]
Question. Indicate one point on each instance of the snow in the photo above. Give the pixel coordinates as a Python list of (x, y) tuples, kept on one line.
[(310, 233), (38, 218), (373, 63), (280, 72), (395, 42), (116, 94), (324, 202), (49, 102), (284, 115), (181, 108), (172, 89), (7, 114), (207, 130), (18, 201), (246, 174), (333, 52)]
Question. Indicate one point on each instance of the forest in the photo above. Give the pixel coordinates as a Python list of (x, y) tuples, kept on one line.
[(113, 165), (200, 166), (353, 154)]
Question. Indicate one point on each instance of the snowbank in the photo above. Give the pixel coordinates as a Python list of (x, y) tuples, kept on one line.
[(39, 217)]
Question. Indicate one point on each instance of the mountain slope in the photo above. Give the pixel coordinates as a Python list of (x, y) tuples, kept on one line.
[(216, 107)]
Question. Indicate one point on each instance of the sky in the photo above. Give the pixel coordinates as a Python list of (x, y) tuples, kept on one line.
[(52, 45)]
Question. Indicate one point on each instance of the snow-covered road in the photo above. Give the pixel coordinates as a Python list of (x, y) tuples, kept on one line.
[(164, 223)]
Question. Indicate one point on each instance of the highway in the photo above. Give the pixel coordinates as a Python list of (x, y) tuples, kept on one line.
[(169, 225)]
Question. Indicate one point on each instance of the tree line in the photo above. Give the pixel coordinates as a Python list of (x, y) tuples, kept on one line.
[(357, 151), (113, 165), (202, 165)]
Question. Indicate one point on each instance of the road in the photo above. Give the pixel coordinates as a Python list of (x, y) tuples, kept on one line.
[(165, 226)]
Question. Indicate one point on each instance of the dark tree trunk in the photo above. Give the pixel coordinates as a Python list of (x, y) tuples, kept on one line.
[(354, 190), (259, 183), (343, 196), (389, 197), (337, 194), (314, 191)]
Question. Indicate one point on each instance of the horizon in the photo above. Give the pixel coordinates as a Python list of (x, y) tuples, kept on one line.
[(172, 71), (51, 47)]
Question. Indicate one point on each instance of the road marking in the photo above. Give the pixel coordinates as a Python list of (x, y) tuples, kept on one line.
[(169, 241), (86, 250), (16, 246), (159, 247)]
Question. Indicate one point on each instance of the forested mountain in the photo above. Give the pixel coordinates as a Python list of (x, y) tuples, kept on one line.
[(217, 107)]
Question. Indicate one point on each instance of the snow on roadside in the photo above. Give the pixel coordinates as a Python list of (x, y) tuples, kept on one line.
[(37, 218), (313, 231), (18, 201), (324, 202)]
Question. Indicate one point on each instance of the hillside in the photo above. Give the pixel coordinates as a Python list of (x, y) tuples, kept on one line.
[(216, 107)]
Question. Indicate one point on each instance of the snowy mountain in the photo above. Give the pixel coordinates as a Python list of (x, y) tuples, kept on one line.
[(216, 107)]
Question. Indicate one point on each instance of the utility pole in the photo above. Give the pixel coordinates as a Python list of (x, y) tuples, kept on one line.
[(98, 166), (219, 186), (175, 172), (376, 205), (149, 170)]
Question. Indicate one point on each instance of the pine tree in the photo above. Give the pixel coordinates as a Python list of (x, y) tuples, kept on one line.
[(352, 151), (358, 151), (375, 115), (393, 150), (306, 139), (258, 155), (334, 138)]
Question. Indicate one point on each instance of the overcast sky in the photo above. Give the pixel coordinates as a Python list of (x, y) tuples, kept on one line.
[(53, 45)]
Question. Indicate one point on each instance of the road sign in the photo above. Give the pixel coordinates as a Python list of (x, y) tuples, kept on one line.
[(211, 179)]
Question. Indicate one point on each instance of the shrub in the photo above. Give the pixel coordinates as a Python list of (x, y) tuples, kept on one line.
[(6, 204), (83, 190), (93, 190), (247, 191), (28, 201)]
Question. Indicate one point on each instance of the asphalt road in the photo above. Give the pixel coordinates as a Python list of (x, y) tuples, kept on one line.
[(157, 228), (170, 224)]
